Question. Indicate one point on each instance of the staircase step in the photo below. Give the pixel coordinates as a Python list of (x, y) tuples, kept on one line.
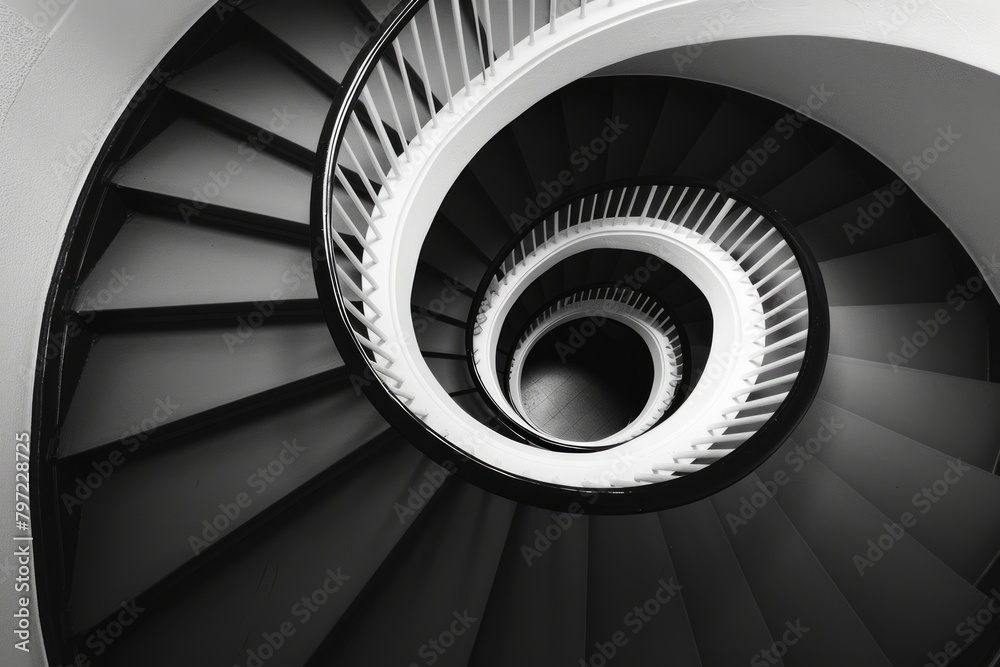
[(440, 296), (770, 549), (953, 415), (140, 268), (709, 571), (828, 182), (638, 103), (504, 178), (453, 374), (137, 382), (635, 609), (909, 600), (429, 605), (592, 129), (250, 83), (477, 216), (872, 221), (737, 123), (198, 164), (223, 615), (780, 153), (686, 112), (326, 37), (942, 495), (934, 337), (542, 139), (264, 458), (917, 271), (539, 595)]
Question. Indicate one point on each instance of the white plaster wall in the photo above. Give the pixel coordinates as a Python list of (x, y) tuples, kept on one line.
[(69, 67)]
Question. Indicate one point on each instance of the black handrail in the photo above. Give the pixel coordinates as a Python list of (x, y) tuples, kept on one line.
[(678, 491)]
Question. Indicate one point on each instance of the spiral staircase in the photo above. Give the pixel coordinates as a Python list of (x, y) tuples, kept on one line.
[(291, 422)]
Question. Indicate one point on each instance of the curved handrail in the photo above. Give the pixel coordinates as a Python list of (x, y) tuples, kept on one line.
[(343, 282), (516, 250), (685, 349), (641, 312)]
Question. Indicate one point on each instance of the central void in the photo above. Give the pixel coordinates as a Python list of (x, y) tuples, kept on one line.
[(584, 382)]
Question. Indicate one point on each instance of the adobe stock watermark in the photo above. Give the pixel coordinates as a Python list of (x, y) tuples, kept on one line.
[(796, 459), (968, 630), (580, 160), (581, 333), (547, 537), (90, 304), (258, 481), (435, 647), (786, 127), (900, 15), (712, 29), (270, 642), (49, 13), (101, 470), (927, 329), (913, 343), (102, 638), (422, 317), (449, 294), (913, 170), (634, 622), (293, 279), (218, 181), (772, 655), (923, 502), (419, 495)]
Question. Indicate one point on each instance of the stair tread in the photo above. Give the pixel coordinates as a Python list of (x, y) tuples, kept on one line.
[(638, 104), (953, 520), (541, 602), (440, 584), (916, 271), (248, 82), (686, 111), (961, 422), (770, 549), (736, 124), (951, 341), (542, 140), (589, 116), (260, 586), (503, 177), (329, 35), (193, 162), (851, 228), (131, 376), (708, 569), (908, 599), (453, 374), (825, 183), (208, 469), (477, 216), (140, 269), (632, 590)]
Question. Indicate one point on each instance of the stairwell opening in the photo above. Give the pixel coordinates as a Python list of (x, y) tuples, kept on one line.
[(586, 380)]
